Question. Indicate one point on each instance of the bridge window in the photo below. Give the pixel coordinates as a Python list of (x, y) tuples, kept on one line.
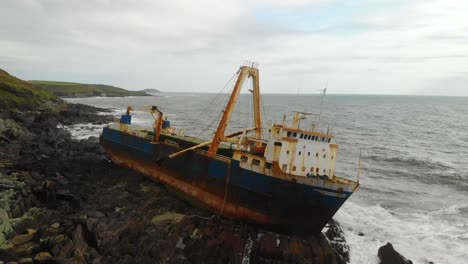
[(313, 137), (324, 170), (331, 157), (278, 144), (329, 140), (308, 153), (244, 159), (294, 168), (317, 170), (289, 134), (311, 169), (303, 168), (256, 162), (287, 152), (299, 153), (268, 165), (294, 135), (316, 154), (324, 155), (301, 136)]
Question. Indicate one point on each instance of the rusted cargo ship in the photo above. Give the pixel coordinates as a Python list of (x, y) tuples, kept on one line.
[(285, 178)]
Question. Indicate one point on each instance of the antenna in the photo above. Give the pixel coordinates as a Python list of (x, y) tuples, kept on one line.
[(322, 99), (359, 165)]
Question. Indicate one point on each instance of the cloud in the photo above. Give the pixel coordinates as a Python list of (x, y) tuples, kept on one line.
[(359, 46)]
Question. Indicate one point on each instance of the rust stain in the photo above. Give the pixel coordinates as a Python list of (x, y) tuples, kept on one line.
[(213, 202), (289, 139)]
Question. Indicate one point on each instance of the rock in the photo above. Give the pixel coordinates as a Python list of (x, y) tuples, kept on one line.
[(24, 249), (25, 261), (55, 225), (388, 255), (21, 239), (3, 216), (31, 231), (42, 257), (58, 260), (7, 251), (63, 248), (168, 216), (95, 214)]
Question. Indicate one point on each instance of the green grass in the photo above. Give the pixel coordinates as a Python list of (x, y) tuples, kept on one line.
[(69, 89), (16, 93)]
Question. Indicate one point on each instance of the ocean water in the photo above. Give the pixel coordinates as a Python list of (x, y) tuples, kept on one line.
[(414, 166)]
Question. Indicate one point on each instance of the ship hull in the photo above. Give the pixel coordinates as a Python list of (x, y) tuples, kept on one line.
[(224, 187)]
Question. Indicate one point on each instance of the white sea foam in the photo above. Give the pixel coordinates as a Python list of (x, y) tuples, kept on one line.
[(419, 235), (84, 131)]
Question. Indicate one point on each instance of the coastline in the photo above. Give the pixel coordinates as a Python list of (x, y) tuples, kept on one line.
[(66, 202)]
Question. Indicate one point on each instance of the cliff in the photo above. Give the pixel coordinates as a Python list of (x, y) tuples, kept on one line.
[(16, 93)]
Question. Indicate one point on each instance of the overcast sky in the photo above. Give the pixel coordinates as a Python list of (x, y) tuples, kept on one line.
[(360, 46)]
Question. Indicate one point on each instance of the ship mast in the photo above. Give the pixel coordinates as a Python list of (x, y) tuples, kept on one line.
[(244, 71)]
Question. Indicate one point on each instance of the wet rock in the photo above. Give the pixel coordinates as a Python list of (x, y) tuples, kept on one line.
[(388, 255)]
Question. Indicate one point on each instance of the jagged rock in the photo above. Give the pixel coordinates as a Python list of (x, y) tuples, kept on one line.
[(388, 255), (21, 239)]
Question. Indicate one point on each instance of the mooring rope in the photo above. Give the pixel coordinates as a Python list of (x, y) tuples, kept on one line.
[(224, 200)]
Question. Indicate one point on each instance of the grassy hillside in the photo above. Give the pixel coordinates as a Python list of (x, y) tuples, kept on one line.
[(69, 89), (16, 93)]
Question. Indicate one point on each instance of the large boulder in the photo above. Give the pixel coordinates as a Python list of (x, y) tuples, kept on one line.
[(388, 255)]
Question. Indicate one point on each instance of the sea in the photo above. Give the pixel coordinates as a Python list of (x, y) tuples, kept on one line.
[(409, 152)]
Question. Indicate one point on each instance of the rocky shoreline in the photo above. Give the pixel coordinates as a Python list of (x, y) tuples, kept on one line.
[(62, 201)]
